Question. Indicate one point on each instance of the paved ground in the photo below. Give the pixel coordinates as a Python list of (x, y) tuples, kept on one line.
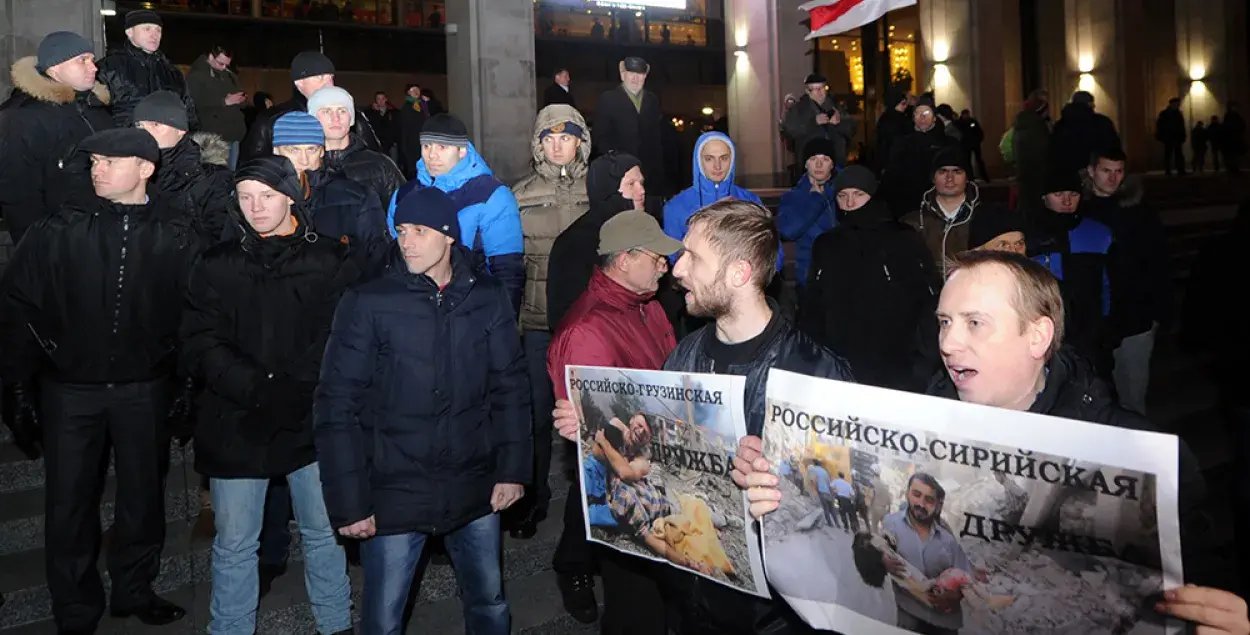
[(1182, 401)]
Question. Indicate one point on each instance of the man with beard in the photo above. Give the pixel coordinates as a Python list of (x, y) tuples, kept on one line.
[(1001, 326), (730, 257), (89, 310), (946, 210), (346, 153), (139, 69), (56, 103), (193, 171), (618, 323), (928, 544)]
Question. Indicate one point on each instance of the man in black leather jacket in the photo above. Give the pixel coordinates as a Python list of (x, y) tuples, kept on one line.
[(139, 69), (346, 153), (730, 257), (310, 72)]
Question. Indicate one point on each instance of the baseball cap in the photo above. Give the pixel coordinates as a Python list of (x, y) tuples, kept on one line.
[(635, 229)]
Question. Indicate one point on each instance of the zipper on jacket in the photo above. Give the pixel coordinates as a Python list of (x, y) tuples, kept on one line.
[(121, 273), (886, 269)]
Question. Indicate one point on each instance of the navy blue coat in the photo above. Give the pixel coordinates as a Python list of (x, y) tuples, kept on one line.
[(423, 404)]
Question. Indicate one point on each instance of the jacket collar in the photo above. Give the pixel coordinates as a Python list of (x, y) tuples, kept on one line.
[(550, 116), (470, 167), (355, 144), (463, 275), (929, 206), (27, 78), (1072, 389), (611, 292)]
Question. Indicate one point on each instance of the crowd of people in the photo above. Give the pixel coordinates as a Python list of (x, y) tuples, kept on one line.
[(377, 350)]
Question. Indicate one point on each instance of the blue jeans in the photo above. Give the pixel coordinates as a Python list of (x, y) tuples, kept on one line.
[(233, 159), (238, 508), (390, 563)]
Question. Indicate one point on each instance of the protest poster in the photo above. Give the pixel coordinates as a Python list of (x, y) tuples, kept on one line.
[(951, 517), (654, 458)]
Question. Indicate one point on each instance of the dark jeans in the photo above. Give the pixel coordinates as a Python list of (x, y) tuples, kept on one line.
[(573, 554), (80, 421), (1174, 155), (1200, 160), (275, 531), (846, 507), (543, 395), (391, 562), (978, 161), (831, 513)]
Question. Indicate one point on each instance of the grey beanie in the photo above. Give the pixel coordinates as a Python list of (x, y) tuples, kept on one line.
[(60, 46)]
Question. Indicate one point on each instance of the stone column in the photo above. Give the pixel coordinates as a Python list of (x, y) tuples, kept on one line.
[(766, 57), (490, 72), (997, 68), (257, 8), (23, 23)]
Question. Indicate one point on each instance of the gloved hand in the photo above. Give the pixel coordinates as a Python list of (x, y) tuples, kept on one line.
[(181, 421), (22, 416)]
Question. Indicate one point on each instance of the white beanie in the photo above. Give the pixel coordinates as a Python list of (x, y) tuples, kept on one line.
[(332, 96)]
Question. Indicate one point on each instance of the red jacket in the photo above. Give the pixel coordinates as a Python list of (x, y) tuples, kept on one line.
[(610, 325)]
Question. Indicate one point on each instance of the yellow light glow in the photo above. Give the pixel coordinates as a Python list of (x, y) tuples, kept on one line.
[(707, 110), (740, 36), (1086, 63), (1197, 72), (1198, 88), (941, 76), (941, 51), (1086, 82)]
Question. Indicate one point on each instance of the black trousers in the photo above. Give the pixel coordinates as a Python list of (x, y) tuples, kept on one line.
[(1174, 155), (80, 421), (574, 555)]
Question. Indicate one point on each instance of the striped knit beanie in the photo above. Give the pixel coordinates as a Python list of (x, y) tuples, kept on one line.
[(444, 129), (298, 129)]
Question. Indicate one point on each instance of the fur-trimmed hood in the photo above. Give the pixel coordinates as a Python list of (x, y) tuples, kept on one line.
[(27, 78), (1132, 189), (213, 148)]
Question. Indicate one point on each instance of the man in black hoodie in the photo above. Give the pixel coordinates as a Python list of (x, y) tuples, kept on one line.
[(1020, 365), (310, 71), (89, 312)]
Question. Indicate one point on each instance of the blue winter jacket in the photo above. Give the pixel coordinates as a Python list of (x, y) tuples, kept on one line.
[(704, 192), (423, 404), (803, 216), (490, 222)]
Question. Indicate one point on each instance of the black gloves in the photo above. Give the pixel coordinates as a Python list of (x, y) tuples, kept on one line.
[(21, 413), (181, 422)]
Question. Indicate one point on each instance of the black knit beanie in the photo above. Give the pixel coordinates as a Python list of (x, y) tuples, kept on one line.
[(310, 64), (275, 171), (857, 177), (142, 16)]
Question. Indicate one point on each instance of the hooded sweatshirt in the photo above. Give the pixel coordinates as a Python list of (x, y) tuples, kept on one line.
[(550, 199), (704, 192), (490, 224)]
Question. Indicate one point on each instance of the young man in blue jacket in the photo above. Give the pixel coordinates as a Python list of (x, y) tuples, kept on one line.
[(489, 219), (811, 208), (422, 418)]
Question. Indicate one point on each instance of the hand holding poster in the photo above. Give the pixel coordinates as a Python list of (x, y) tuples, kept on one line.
[(909, 514), (654, 459)]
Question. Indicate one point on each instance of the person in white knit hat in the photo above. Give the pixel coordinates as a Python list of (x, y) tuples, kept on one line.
[(346, 153)]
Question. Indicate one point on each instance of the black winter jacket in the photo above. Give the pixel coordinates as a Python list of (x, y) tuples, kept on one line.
[(259, 140), (1078, 134), (910, 171), (1073, 391), (715, 608), (369, 168), (40, 123), (423, 404), (259, 309), (344, 209), (1141, 282), (90, 295), (194, 175), (621, 127), (870, 283), (132, 74)]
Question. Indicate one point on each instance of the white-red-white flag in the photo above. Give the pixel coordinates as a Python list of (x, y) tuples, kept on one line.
[(831, 17)]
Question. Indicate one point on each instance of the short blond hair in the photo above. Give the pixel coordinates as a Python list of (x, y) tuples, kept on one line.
[(1037, 291), (742, 230)]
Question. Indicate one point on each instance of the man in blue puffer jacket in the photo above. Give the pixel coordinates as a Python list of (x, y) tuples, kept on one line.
[(489, 219), (714, 158), (811, 208)]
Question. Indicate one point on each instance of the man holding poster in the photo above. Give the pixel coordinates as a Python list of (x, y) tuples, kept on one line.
[(730, 257), (1001, 326)]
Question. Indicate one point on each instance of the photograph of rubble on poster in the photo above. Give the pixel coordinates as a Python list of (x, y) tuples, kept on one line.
[(931, 515), (655, 458)]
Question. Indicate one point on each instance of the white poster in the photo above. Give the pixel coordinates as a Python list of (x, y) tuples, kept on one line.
[(910, 514), (655, 459)]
